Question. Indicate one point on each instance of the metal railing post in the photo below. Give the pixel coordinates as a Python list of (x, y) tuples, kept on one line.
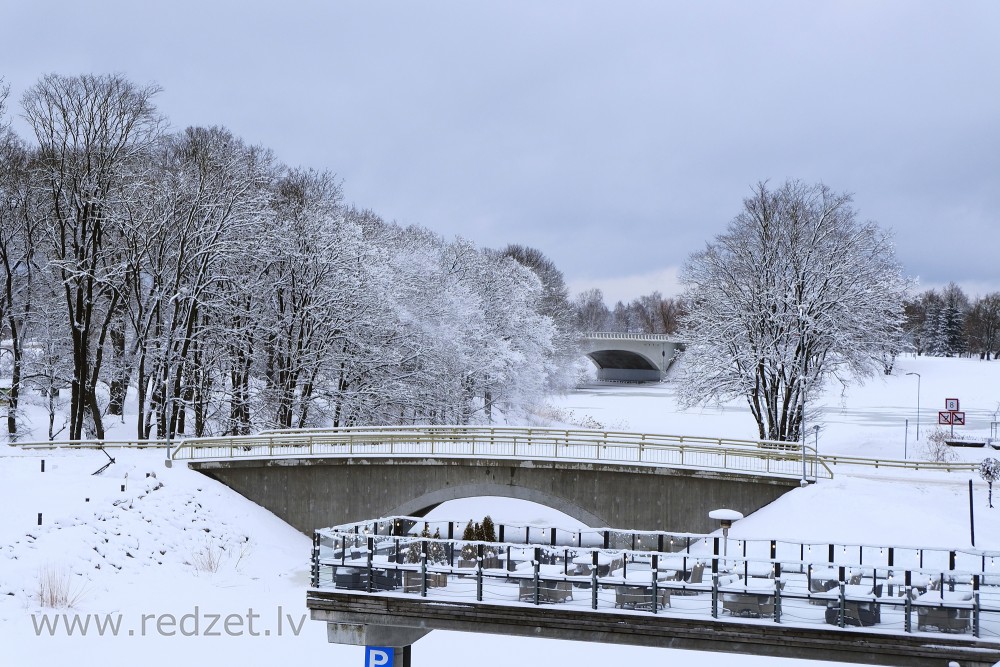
[(593, 580), (315, 559), (908, 603), (479, 572), (975, 606), (371, 553), (715, 577), (537, 557)]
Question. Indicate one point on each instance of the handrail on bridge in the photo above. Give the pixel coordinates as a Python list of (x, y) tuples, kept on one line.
[(613, 445), (611, 335), (769, 458)]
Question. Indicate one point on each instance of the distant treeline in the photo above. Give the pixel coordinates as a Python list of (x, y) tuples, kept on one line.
[(942, 323), (947, 323), (647, 314)]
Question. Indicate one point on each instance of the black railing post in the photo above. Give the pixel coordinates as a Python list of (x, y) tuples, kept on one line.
[(975, 605), (908, 604), (593, 580), (715, 577), (423, 568), (655, 564), (537, 563), (777, 590), (479, 572), (841, 575), (315, 560), (371, 553)]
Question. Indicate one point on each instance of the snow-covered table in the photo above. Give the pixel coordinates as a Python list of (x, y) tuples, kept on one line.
[(753, 596), (953, 618)]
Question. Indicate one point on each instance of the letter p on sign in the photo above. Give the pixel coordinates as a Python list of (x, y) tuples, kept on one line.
[(379, 656)]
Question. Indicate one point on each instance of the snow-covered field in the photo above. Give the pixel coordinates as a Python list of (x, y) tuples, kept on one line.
[(174, 552)]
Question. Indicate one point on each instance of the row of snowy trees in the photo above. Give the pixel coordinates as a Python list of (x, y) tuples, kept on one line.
[(229, 293), (947, 323)]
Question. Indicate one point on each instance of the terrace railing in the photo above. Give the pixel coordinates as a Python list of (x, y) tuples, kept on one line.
[(898, 589)]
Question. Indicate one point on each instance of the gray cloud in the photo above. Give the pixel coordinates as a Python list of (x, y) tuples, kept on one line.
[(615, 137)]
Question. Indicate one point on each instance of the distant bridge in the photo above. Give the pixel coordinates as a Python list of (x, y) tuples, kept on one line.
[(630, 357)]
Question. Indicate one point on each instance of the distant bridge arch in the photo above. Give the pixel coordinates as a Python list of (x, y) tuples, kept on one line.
[(630, 357)]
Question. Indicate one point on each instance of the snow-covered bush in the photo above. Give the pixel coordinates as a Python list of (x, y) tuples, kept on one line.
[(989, 470), (937, 448)]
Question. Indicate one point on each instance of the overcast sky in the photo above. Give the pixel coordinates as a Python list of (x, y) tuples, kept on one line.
[(617, 137)]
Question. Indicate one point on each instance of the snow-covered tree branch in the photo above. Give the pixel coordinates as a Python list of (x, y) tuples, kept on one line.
[(796, 292)]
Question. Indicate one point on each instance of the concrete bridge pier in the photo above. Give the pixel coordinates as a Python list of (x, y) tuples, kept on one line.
[(360, 634)]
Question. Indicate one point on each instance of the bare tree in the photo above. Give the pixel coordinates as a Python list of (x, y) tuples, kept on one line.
[(592, 313), (17, 261), (797, 291), (93, 132), (983, 325)]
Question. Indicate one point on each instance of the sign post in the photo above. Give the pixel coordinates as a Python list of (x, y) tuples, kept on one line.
[(951, 415), (379, 656)]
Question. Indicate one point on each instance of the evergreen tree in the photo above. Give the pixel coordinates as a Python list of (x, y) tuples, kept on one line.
[(489, 530), (469, 535), (437, 550)]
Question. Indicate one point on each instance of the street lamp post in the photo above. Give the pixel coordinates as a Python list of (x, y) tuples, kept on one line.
[(726, 518), (816, 447), (918, 404)]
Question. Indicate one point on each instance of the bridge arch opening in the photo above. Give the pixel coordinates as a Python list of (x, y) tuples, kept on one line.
[(504, 504), (625, 366)]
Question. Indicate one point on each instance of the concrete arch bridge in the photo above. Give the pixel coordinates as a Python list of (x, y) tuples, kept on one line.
[(630, 357), (654, 482)]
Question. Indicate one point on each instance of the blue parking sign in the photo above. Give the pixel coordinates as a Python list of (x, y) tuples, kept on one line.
[(379, 656)]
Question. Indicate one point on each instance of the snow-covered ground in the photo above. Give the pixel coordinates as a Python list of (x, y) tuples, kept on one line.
[(173, 550)]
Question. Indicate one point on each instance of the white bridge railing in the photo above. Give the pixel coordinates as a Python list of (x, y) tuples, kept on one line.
[(744, 456), (764, 457), (612, 335)]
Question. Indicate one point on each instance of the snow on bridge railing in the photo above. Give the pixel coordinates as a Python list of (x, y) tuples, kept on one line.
[(332, 442), (768, 458), (894, 588), (91, 444), (611, 335)]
